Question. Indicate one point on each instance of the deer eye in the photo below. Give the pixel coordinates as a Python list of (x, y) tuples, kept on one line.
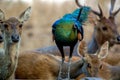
[(20, 25), (101, 66), (89, 65), (5, 25), (104, 28), (1, 22)]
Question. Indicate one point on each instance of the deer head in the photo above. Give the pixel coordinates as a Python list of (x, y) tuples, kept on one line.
[(105, 28), (11, 30), (93, 60), (13, 26)]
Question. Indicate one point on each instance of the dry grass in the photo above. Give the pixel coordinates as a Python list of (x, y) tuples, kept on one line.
[(37, 31)]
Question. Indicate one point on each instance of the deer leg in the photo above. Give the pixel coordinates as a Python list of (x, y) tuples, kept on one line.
[(61, 65)]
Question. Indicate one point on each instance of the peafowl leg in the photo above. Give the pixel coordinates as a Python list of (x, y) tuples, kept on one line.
[(61, 66), (69, 63)]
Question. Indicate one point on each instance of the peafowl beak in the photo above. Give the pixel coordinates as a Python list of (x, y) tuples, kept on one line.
[(79, 29), (79, 36)]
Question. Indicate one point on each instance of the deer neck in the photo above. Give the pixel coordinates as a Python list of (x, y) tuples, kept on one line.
[(11, 51), (92, 46), (10, 58), (96, 42), (1, 45), (114, 72), (76, 68), (108, 72)]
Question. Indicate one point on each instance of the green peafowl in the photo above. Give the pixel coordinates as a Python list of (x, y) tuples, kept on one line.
[(67, 31)]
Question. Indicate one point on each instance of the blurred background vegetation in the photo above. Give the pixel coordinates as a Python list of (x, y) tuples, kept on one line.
[(37, 31)]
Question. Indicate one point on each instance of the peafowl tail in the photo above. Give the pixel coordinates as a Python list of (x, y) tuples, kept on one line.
[(84, 13)]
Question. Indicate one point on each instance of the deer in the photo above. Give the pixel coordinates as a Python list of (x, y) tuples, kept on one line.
[(105, 29), (11, 29), (99, 68), (46, 66), (35, 65)]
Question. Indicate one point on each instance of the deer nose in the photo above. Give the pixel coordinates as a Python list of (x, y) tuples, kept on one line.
[(1, 38), (15, 38), (118, 38)]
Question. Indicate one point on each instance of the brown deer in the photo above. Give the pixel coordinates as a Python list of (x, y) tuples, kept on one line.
[(11, 29), (34, 65), (105, 30), (99, 68)]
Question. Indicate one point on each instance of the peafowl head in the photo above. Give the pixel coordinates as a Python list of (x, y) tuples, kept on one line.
[(78, 26)]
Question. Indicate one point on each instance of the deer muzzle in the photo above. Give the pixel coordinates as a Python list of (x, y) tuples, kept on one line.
[(1, 38), (15, 38), (118, 38)]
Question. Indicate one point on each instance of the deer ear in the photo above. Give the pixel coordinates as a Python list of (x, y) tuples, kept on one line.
[(101, 66), (2, 15), (25, 15), (104, 50)]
